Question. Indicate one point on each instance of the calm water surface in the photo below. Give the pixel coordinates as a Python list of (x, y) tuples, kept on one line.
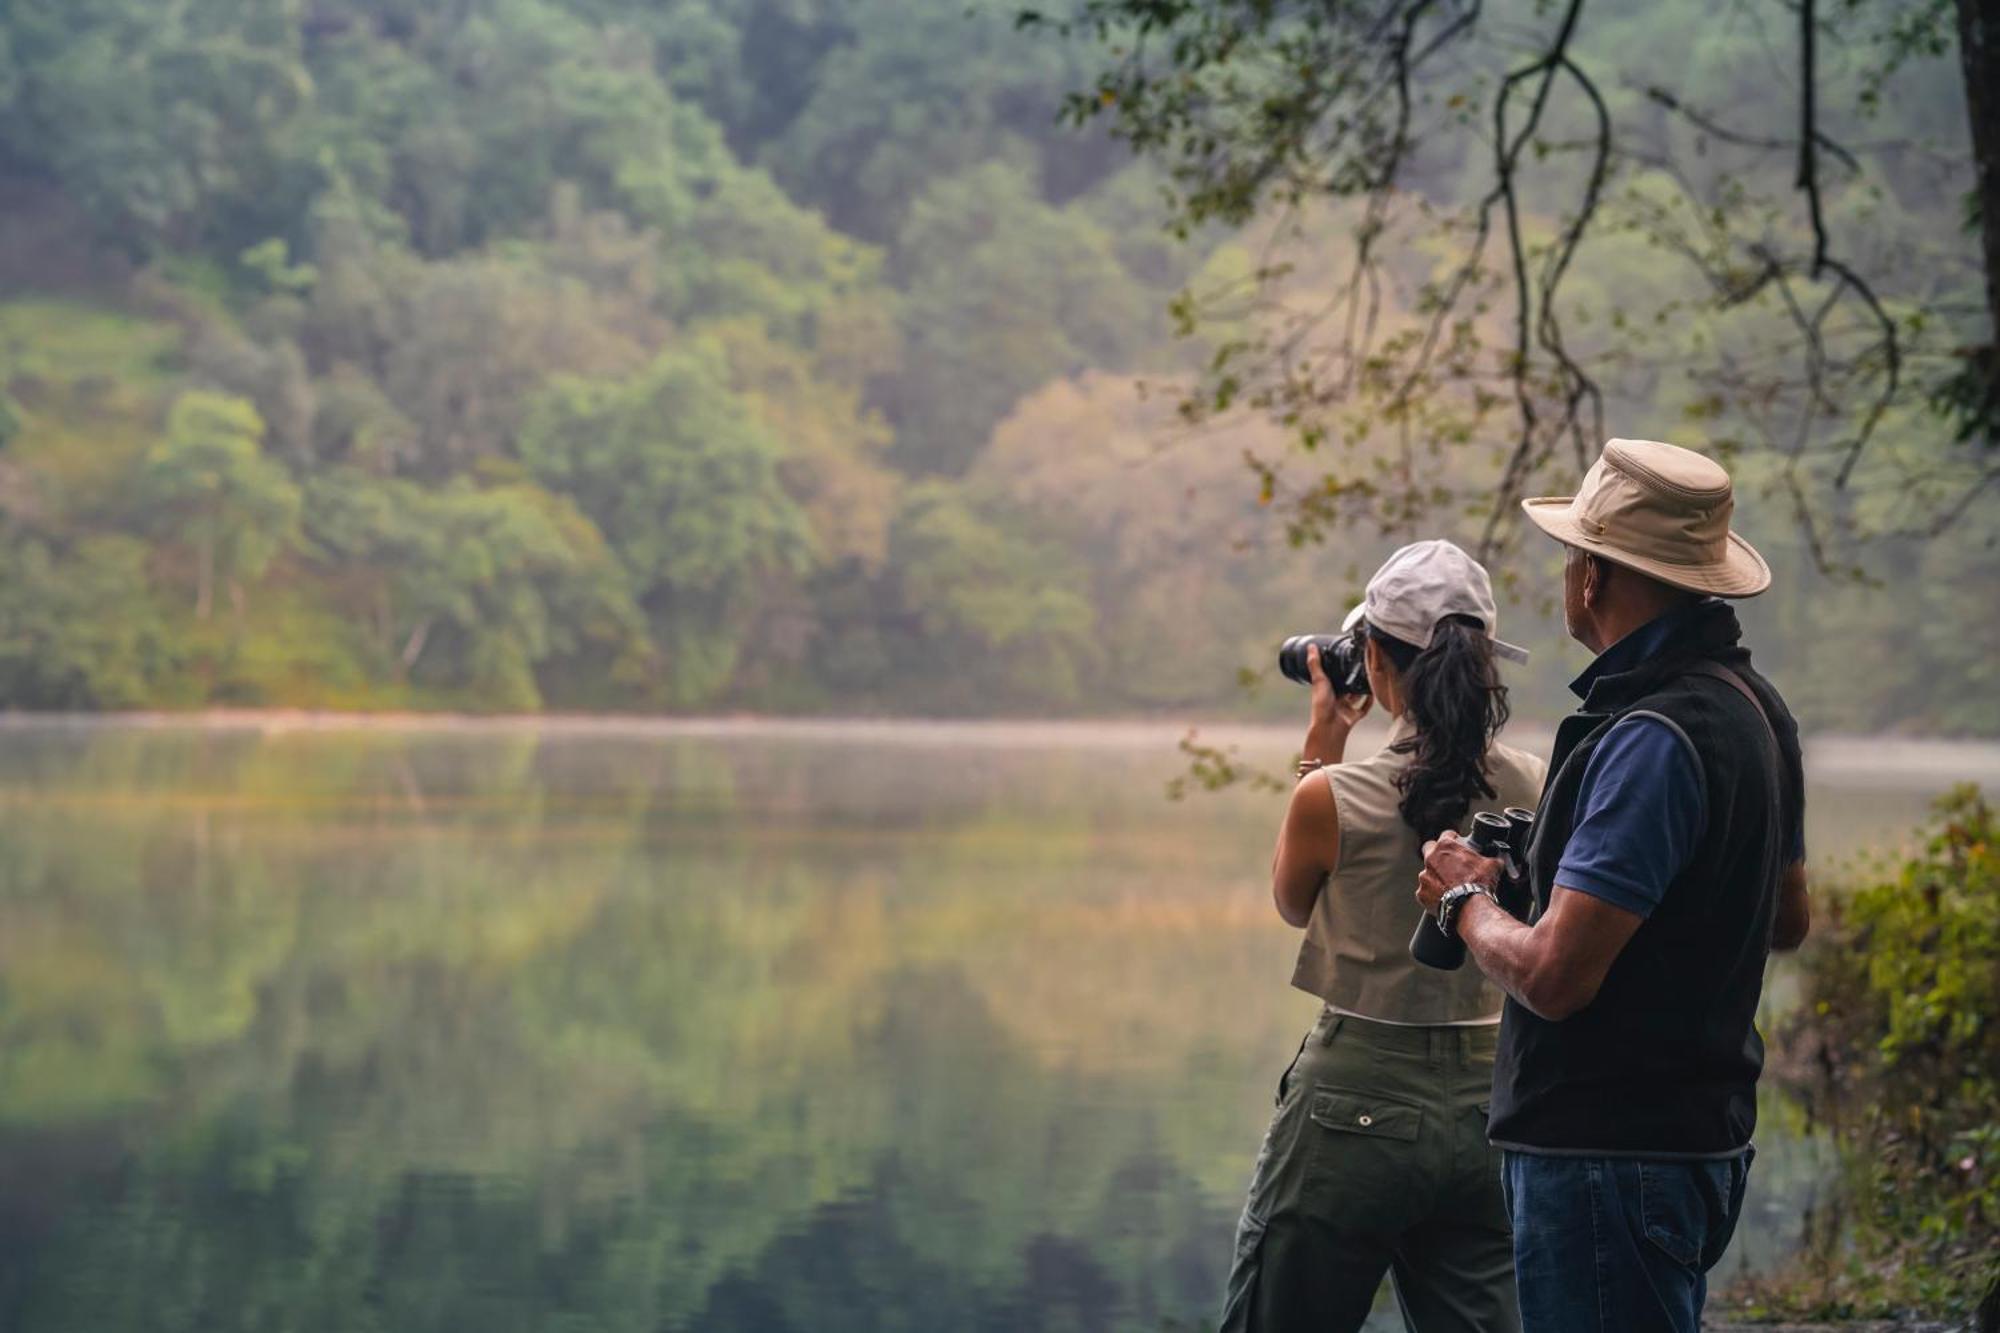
[(608, 1027)]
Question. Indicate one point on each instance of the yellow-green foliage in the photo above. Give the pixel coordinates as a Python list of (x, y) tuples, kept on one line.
[(64, 341), (1896, 1050), (86, 386)]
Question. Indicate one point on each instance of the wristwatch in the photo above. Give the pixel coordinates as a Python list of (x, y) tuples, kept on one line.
[(1454, 899)]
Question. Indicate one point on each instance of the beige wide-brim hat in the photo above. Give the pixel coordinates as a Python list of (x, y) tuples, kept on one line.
[(1661, 510)]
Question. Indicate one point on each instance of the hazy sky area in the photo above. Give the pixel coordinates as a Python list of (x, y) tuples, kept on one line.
[(734, 355)]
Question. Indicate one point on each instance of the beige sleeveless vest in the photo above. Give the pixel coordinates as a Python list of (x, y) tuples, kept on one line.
[(1356, 954)]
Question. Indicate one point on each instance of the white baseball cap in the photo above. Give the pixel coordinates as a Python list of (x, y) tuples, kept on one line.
[(1422, 584)]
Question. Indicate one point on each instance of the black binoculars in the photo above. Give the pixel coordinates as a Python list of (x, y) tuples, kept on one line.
[(1505, 836)]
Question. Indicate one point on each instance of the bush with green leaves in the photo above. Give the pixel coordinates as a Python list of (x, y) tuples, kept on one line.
[(1895, 1051)]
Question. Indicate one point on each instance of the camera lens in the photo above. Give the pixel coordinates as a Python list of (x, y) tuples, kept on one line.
[(1340, 656), (1292, 660)]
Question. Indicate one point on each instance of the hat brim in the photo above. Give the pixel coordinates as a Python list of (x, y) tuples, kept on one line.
[(1740, 573)]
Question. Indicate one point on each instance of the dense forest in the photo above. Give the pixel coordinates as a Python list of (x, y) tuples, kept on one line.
[(713, 354)]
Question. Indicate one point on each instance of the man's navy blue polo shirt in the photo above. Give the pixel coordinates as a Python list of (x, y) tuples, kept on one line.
[(1639, 811)]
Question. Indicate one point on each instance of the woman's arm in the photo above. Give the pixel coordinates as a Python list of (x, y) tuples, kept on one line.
[(1309, 839), (1308, 849)]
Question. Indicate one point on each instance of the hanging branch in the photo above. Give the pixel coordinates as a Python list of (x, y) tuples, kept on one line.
[(1545, 325), (1708, 126), (1327, 109)]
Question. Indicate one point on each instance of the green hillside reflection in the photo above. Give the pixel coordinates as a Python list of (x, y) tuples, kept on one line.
[(505, 1030)]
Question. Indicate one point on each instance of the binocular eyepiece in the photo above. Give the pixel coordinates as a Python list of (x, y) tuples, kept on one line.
[(1505, 836)]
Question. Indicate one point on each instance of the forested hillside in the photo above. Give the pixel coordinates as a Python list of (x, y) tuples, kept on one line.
[(707, 354)]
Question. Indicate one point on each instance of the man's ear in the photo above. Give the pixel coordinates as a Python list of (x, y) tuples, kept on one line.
[(1595, 573)]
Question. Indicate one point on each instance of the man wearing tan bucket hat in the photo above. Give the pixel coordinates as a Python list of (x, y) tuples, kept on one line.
[(1667, 861)]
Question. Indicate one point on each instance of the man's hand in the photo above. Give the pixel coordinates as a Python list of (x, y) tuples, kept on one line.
[(1450, 862), (1553, 967)]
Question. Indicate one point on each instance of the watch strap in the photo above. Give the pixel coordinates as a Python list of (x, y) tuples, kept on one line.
[(1454, 901)]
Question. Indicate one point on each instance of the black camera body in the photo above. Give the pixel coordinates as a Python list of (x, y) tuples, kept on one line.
[(1342, 656)]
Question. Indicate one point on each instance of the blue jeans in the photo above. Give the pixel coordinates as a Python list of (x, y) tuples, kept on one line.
[(1616, 1244)]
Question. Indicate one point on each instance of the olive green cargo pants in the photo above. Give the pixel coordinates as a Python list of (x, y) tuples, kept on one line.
[(1377, 1161)]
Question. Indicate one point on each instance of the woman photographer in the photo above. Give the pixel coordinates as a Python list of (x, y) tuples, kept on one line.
[(1376, 1160)]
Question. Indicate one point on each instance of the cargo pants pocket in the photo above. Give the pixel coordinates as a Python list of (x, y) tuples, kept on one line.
[(1361, 1153), (1273, 1176), (1366, 1113)]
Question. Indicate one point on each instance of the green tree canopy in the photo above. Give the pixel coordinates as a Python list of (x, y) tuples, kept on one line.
[(209, 484), (682, 479)]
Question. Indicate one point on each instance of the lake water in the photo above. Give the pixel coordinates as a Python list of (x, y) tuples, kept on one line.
[(616, 1026)]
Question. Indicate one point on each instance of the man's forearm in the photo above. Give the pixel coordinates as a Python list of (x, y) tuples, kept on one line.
[(1555, 966), (1505, 949)]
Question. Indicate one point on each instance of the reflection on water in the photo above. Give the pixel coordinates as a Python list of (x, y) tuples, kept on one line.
[(756, 1028)]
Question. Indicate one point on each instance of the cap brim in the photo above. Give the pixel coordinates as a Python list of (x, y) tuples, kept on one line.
[(1501, 648), (1740, 573)]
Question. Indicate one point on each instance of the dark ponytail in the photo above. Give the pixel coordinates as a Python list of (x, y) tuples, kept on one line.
[(1453, 698)]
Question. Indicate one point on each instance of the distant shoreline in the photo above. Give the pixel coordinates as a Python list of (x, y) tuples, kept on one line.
[(1830, 756)]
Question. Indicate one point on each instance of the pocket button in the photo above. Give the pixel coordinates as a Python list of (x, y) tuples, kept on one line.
[(1366, 1121)]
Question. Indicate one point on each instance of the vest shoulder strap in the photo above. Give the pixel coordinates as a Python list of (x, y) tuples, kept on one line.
[(1716, 671), (1774, 801)]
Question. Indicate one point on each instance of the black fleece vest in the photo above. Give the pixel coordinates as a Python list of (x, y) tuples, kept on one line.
[(1664, 1061)]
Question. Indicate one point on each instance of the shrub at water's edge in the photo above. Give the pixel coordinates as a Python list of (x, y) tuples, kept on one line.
[(1895, 1053)]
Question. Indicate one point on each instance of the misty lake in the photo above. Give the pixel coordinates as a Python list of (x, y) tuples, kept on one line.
[(625, 1026)]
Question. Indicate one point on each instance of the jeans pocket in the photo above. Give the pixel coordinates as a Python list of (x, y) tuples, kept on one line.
[(1733, 1182), (1690, 1208), (1672, 1210)]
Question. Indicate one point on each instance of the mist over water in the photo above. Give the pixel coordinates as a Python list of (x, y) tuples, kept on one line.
[(627, 1025)]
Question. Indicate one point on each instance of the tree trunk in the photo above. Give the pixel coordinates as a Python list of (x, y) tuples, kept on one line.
[(204, 579), (1979, 51), (415, 647)]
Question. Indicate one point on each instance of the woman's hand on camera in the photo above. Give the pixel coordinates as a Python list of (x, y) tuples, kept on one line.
[(1331, 710), (1333, 715)]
